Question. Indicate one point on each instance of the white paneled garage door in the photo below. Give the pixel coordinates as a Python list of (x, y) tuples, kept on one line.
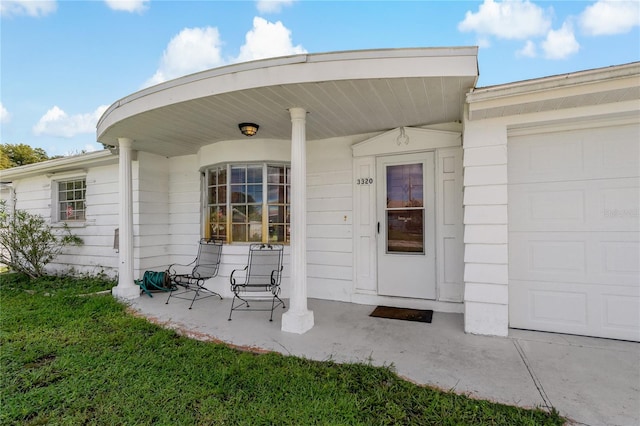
[(574, 250)]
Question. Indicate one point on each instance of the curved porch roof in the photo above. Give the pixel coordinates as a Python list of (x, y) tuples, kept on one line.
[(345, 93)]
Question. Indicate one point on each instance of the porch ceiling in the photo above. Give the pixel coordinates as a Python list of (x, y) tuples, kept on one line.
[(345, 94)]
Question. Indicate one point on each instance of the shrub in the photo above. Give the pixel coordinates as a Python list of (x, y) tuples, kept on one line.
[(28, 243)]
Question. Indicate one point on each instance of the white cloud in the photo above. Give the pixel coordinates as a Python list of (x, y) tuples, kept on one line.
[(561, 43), (267, 40), (34, 8), (4, 114), (272, 6), (528, 50), (606, 17), (128, 5), (90, 148), (56, 122), (192, 50), (483, 42), (198, 49), (512, 19)]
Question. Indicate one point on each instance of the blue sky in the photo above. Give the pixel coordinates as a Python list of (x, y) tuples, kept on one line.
[(64, 62)]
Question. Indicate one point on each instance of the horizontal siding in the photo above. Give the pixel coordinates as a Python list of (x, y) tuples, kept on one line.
[(96, 255), (330, 219), (152, 194), (184, 208)]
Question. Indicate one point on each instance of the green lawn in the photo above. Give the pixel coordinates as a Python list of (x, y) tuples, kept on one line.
[(69, 359)]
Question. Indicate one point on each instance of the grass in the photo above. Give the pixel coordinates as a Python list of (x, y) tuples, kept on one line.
[(84, 360)]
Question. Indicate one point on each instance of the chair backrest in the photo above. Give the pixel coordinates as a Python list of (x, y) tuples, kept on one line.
[(264, 267), (208, 260)]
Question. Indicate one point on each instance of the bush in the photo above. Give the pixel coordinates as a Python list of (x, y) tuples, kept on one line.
[(28, 243)]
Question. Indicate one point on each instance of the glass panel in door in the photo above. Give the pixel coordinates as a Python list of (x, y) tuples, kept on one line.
[(405, 209)]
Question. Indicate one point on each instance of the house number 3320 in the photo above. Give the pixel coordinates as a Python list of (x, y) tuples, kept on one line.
[(364, 181)]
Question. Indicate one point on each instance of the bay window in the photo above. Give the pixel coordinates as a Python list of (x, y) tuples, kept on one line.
[(248, 202)]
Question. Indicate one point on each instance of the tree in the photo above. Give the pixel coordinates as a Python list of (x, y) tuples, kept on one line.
[(28, 243), (14, 155)]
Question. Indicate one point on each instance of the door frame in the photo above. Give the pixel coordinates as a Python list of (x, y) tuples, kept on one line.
[(447, 146)]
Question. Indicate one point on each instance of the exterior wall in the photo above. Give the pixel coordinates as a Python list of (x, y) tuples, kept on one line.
[(329, 211), (485, 233), (486, 237), (185, 204), (151, 213), (445, 141), (97, 254), (330, 216), (330, 219)]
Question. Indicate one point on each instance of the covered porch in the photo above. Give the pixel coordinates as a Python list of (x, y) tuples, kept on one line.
[(590, 380), (327, 116)]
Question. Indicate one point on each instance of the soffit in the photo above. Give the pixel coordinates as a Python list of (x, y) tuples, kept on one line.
[(405, 90)]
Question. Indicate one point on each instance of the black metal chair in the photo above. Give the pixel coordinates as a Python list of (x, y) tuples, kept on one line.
[(206, 266), (261, 280)]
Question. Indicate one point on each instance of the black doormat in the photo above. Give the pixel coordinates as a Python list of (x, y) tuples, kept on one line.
[(402, 314)]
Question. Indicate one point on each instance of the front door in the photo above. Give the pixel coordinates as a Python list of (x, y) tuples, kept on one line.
[(406, 226)]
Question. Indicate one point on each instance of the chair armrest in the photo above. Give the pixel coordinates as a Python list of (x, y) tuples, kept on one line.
[(172, 270), (276, 280), (231, 279)]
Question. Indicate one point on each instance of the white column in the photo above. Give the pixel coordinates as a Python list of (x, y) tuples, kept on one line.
[(126, 288), (298, 319)]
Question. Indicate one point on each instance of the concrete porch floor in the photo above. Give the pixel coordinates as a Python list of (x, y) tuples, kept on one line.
[(591, 381)]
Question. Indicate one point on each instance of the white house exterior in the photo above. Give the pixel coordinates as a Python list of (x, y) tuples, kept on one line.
[(391, 179)]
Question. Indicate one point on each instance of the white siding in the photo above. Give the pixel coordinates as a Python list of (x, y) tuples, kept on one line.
[(329, 219), (151, 213), (184, 208), (97, 254), (485, 233)]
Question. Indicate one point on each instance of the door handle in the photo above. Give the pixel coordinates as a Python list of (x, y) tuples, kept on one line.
[(378, 227)]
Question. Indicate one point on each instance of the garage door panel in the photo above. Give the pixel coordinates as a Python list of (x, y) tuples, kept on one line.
[(574, 231), (602, 258), (591, 205), (621, 258), (546, 161), (618, 151), (575, 309), (620, 312), (601, 153)]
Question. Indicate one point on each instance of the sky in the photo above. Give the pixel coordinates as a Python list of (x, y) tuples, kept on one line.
[(62, 63)]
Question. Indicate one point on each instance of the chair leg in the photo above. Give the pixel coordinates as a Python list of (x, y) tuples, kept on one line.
[(273, 305), (232, 303), (195, 295)]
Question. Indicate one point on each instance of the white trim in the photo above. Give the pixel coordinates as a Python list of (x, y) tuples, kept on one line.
[(606, 74), (569, 125), (59, 166), (406, 140), (55, 197)]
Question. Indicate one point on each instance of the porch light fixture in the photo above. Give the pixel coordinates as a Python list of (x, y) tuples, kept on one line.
[(248, 129)]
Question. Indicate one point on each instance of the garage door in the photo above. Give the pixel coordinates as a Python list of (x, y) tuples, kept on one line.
[(574, 250)]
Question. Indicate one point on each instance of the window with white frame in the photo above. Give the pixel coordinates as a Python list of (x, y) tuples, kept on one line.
[(248, 202), (71, 200)]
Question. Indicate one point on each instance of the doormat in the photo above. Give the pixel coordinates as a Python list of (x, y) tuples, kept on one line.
[(406, 314)]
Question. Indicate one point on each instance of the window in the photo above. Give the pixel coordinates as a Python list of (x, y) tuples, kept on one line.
[(72, 200), (248, 202)]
